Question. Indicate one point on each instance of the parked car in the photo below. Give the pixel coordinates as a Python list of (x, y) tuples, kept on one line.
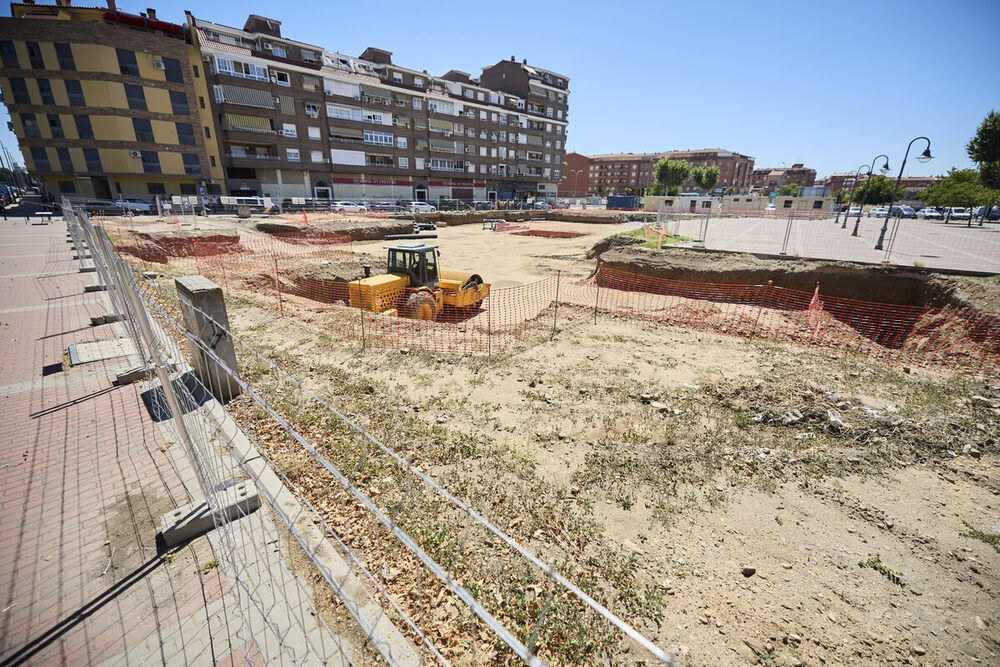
[(928, 213), (347, 207), (559, 204), (422, 225), (903, 212), (421, 207), (878, 213), (133, 205), (103, 208), (391, 208), (770, 208), (854, 210), (542, 206), (958, 213)]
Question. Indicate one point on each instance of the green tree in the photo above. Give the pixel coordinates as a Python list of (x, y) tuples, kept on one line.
[(705, 178), (670, 176), (840, 196), (961, 187), (984, 149), (879, 191), (790, 190), (730, 190)]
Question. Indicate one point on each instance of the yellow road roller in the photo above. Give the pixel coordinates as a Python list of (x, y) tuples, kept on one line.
[(414, 286)]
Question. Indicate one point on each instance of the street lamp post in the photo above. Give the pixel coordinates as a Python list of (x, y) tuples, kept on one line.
[(576, 174), (854, 186), (850, 196), (864, 193), (923, 157)]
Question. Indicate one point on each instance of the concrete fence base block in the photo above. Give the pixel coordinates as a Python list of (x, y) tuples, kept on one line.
[(88, 269), (94, 288), (84, 257), (98, 320), (194, 519), (131, 375)]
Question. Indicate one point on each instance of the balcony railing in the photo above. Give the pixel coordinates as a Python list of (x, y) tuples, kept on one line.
[(251, 156)]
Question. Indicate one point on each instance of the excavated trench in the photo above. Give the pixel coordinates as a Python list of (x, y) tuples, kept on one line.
[(888, 303)]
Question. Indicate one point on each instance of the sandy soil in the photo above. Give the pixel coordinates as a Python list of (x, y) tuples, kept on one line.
[(761, 530)]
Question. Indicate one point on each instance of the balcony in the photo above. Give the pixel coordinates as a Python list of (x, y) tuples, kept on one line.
[(251, 160)]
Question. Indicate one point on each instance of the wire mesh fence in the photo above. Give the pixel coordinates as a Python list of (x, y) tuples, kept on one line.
[(354, 548)]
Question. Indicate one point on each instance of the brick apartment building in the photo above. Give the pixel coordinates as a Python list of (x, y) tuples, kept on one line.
[(107, 104), (162, 108), (576, 176), (624, 173), (297, 120), (771, 179), (912, 185)]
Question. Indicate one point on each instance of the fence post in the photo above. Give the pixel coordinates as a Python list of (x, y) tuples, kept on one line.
[(555, 312), (361, 306), (489, 329), (597, 296), (277, 287), (788, 232)]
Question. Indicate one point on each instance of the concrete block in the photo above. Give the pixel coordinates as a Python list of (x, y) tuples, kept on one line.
[(98, 320), (94, 288), (88, 269), (194, 519), (84, 257), (131, 375), (198, 295)]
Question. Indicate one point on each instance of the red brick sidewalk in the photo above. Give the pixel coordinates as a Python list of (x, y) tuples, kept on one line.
[(84, 478)]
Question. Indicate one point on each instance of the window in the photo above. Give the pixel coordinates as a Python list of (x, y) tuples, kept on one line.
[(378, 160), (143, 130), (418, 82), (208, 132), (192, 167), (136, 97), (481, 97), (400, 142), (310, 82), (93, 159), (787, 204), (126, 63), (317, 157), (30, 126), (188, 188), (482, 115), (346, 113), (185, 134), (309, 56), (397, 77), (372, 117), (418, 163), (195, 68), (313, 132), (40, 158), (312, 109), (65, 162), (201, 102), (817, 204), (151, 162), (83, 128), (471, 94), (494, 98), (67, 187), (156, 188), (292, 154), (55, 126), (172, 70), (417, 104), (35, 55), (20, 91), (378, 138), (288, 129), (281, 78), (211, 159), (277, 50), (8, 54), (75, 93), (404, 162), (179, 103), (240, 69)]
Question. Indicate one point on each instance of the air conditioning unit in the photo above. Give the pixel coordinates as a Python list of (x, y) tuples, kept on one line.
[(207, 59), (158, 64), (135, 153), (267, 46)]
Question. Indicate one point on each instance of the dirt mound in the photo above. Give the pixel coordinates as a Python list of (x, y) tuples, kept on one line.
[(609, 242), (186, 243), (365, 229), (882, 284)]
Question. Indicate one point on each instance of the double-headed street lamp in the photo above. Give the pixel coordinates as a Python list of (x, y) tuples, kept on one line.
[(923, 157), (850, 196), (576, 174), (864, 193)]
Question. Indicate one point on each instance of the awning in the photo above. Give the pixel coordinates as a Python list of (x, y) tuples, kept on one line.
[(346, 132), (372, 91), (251, 97), (237, 121)]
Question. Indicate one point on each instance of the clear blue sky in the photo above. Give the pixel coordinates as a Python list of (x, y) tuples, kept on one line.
[(827, 84)]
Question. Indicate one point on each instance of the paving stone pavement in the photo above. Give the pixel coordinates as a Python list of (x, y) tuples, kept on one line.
[(84, 478)]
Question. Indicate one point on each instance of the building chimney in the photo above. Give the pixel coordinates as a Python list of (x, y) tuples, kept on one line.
[(524, 62), (63, 3), (512, 59), (151, 13), (112, 6)]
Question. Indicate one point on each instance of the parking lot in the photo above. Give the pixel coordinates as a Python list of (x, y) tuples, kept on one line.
[(930, 243)]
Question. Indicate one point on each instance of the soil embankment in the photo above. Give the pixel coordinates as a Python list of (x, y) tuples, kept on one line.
[(364, 229), (881, 284)]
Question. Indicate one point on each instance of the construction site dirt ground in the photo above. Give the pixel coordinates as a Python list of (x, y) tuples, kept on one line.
[(760, 529)]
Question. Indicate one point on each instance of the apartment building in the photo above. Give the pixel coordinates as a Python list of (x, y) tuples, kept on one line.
[(576, 176), (770, 179), (297, 120), (107, 104), (632, 173)]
